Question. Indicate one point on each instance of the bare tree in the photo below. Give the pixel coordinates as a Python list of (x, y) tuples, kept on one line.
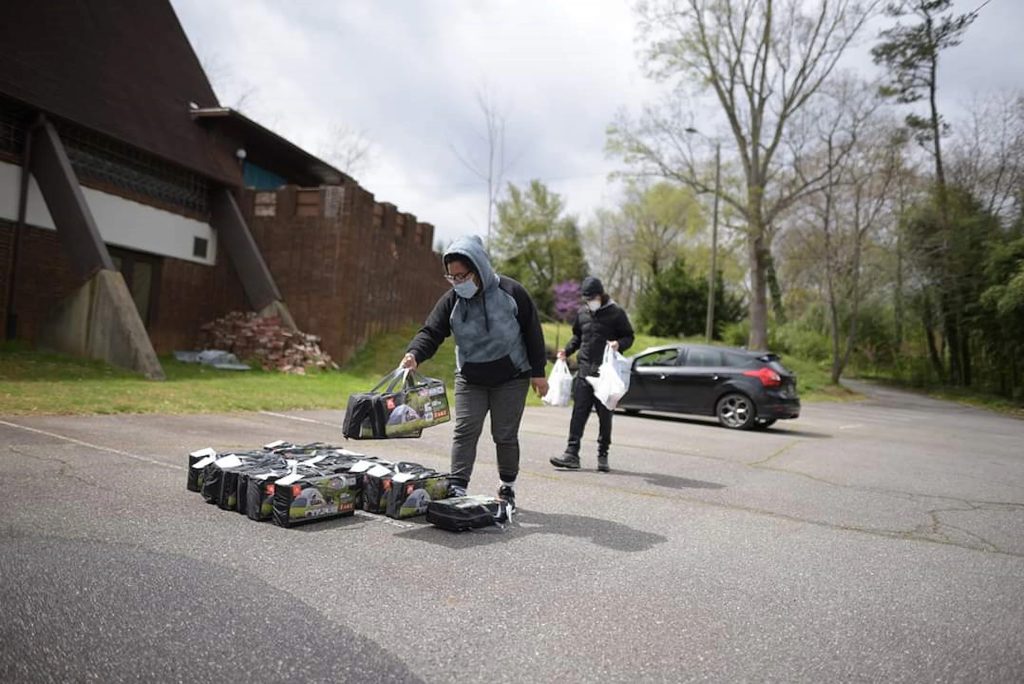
[(492, 167), (608, 250), (348, 149), (231, 90), (834, 226), (763, 61), (987, 154)]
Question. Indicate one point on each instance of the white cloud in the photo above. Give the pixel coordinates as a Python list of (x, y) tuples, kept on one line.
[(406, 73)]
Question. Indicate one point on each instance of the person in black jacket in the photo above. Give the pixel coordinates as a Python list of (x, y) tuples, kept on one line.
[(601, 322), (499, 354)]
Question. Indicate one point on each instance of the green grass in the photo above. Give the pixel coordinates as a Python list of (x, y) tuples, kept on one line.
[(35, 382)]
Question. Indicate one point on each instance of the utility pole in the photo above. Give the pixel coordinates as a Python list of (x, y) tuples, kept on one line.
[(709, 328)]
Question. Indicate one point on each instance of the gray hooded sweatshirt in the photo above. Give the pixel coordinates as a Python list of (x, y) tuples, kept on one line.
[(497, 331)]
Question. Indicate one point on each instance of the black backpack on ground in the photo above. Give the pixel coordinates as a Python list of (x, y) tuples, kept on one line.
[(461, 513)]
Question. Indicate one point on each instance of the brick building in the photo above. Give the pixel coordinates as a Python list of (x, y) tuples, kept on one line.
[(133, 208)]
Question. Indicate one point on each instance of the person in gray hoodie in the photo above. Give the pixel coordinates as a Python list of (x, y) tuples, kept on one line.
[(499, 354)]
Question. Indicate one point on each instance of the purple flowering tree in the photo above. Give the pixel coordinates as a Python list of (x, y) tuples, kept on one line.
[(567, 301)]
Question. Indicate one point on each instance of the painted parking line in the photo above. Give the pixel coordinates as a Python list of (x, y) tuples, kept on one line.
[(98, 447), (299, 419)]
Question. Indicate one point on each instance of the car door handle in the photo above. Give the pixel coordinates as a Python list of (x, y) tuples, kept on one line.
[(662, 376)]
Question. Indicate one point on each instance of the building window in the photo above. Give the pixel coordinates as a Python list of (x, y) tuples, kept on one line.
[(101, 159)]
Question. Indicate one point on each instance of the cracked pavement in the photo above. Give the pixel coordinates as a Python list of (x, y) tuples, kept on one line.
[(874, 540)]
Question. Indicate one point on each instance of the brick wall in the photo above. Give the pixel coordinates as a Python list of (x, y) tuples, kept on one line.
[(347, 266), (44, 276), (190, 295)]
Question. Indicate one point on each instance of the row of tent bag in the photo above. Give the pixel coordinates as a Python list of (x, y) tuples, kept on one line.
[(290, 483), (400, 405)]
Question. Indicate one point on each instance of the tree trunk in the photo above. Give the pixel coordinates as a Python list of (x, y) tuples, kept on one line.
[(952, 335), (776, 291), (898, 295), (758, 300), (929, 334)]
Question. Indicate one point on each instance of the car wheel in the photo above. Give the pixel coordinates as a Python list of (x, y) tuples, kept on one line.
[(736, 412), (764, 424)]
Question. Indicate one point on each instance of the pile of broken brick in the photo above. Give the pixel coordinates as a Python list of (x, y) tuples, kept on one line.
[(266, 341)]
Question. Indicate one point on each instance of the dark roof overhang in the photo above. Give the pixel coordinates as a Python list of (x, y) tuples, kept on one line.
[(267, 149)]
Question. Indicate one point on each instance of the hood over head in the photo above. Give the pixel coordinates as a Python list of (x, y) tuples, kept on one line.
[(472, 247)]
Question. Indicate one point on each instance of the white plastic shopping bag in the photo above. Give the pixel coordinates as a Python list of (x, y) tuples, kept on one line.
[(559, 385), (612, 379)]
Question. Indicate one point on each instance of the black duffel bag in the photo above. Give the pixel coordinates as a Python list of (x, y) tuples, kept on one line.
[(400, 405)]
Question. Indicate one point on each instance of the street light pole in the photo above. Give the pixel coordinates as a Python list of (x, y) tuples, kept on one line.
[(709, 328)]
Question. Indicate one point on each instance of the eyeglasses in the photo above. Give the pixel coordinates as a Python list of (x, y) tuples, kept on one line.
[(458, 277)]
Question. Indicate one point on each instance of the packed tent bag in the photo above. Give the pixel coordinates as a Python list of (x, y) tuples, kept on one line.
[(460, 513), (402, 404), (213, 489), (197, 462), (259, 498), (376, 481), (227, 472), (314, 495), (411, 492)]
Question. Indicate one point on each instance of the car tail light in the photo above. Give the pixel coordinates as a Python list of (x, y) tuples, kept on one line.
[(767, 376)]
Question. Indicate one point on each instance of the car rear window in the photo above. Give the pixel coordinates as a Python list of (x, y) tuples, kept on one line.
[(737, 360)]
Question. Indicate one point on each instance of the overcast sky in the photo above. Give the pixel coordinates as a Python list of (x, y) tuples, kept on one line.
[(406, 75)]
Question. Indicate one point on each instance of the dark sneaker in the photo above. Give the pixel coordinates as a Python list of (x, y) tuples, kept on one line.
[(567, 461), (508, 495), (455, 490), (602, 463)]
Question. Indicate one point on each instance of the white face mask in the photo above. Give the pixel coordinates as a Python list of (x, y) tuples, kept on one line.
[(593, 304), (466, 289)]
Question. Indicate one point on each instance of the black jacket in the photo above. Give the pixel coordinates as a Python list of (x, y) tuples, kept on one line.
[(592, 330)]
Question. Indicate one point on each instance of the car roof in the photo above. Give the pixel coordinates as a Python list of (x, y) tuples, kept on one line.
[(687, 345)]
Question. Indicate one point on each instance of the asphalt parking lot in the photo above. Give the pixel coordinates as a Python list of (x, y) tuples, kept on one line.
[(871, 541)]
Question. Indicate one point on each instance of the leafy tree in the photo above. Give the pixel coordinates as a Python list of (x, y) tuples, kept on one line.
[(536, 244), (911, 54), (674, 303), (948, 241), (1000, 331), (652, 227)]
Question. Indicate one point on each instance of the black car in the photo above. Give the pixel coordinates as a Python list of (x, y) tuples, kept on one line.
[(743, 389)]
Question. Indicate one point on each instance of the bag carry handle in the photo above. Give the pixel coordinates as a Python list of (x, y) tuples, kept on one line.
[(404, 376)]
